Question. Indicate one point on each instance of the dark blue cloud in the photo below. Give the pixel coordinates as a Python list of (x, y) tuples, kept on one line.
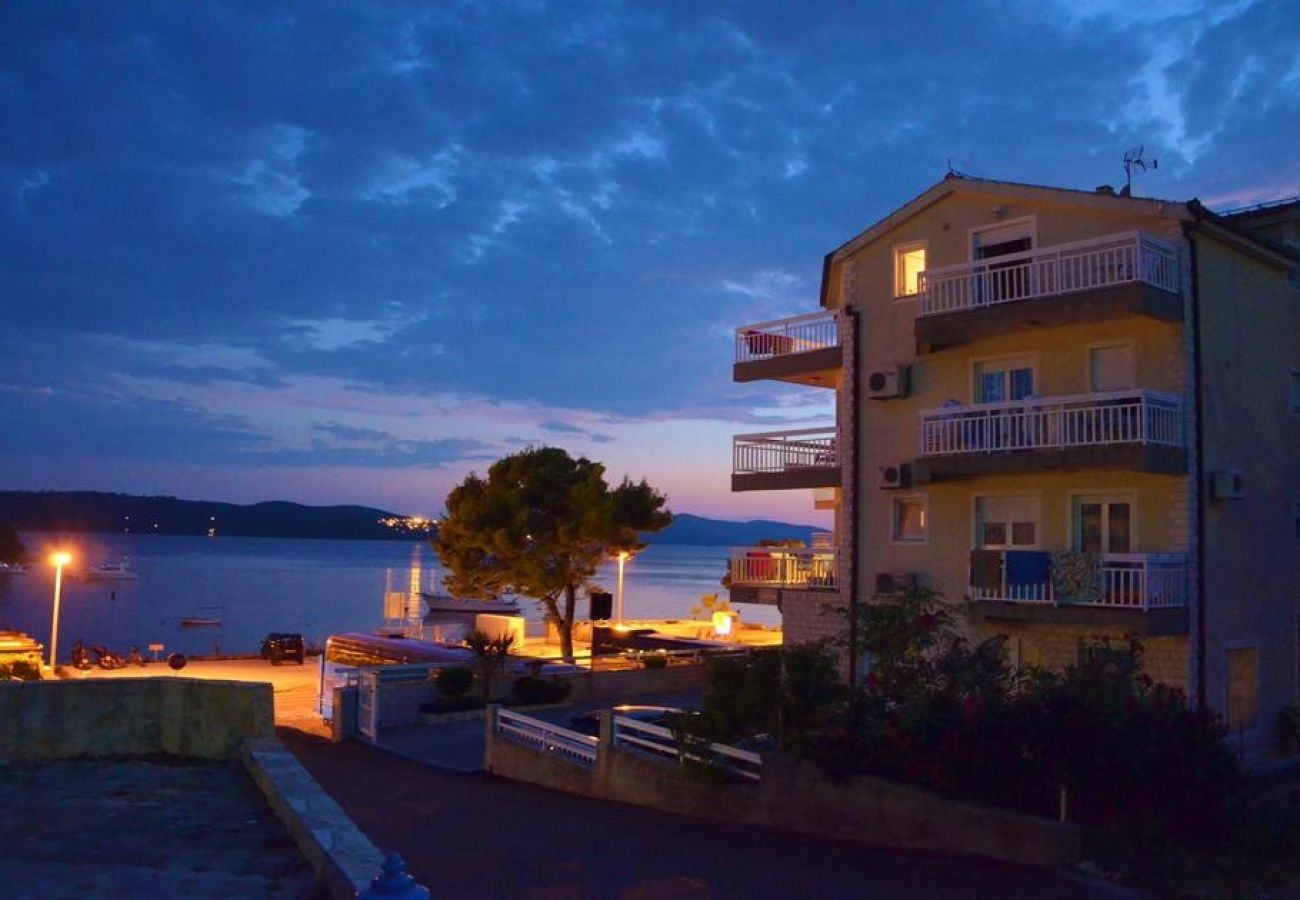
[(567, 205)]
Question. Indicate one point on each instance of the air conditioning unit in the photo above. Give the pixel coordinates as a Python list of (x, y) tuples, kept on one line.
[(894, 476), (896, 582), (886, 383), (1225, 484)]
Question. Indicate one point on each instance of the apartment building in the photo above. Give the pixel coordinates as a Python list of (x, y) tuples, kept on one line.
[(1077, 410)]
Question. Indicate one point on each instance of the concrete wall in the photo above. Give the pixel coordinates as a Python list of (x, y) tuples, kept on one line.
[(797, 798), (1250, 342), (131, 716)]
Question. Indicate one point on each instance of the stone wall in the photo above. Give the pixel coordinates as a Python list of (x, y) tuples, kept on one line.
[(131, 716), (796, 798)]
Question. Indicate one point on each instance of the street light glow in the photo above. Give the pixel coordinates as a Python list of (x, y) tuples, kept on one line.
[(61, 558)]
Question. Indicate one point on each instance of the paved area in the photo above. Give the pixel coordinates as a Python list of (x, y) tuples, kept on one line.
[(458, 746), (112, 829), (475, 836), (295, 687)]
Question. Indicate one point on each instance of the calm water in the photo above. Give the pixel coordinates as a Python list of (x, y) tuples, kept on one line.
[(259, 585)]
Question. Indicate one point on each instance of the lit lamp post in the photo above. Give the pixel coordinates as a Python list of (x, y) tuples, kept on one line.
[(622, 558), (58, 560)]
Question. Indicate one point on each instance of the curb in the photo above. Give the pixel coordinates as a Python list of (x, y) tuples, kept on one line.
[(342, 857)]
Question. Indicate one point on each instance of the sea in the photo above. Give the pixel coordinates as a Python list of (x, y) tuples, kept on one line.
[(254, 586)]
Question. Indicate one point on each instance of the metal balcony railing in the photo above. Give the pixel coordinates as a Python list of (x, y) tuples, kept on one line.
[(777, 567), (783, 451), (1048, 271), (1142, 581), (1049, 423), (782, 337)]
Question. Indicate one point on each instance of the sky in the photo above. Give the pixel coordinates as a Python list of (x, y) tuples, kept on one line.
[(349, 252)]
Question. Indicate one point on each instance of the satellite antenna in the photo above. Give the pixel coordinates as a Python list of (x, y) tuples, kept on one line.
[(1134, 159)]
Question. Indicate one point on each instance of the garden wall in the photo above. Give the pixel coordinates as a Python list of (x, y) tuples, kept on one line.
[(796, 797), (131, 716)]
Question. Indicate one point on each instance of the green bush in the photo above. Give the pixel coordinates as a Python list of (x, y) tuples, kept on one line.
[(22, 670), (455, 681), (530, 691)]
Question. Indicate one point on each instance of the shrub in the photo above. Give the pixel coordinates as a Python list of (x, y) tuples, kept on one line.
[(654, 661), (23, 670), (455, 681), (530, 691)]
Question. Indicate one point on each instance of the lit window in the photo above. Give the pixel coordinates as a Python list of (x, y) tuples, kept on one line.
[(909, 519), (909, 263)]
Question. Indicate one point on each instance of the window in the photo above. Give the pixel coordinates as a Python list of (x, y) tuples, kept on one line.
[(1103, 524), (1006, 522), (1295, 392), (909, 263), (909, 520), (997, 381), (1243, 688)]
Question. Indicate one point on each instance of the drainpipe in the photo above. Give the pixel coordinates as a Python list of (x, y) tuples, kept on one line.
[(855, 426), (1199, 394)]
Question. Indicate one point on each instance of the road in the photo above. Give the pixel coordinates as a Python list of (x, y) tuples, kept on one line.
[(477, 836)]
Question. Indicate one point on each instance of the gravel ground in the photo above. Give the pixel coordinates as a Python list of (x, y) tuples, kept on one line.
[(137, 828)]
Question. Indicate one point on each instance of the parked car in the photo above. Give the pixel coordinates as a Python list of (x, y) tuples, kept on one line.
[(278, 647), (589, 722)]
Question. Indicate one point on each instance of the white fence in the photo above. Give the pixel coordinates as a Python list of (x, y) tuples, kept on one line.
[(781, 337), (565, 743), (1079, 420), (1060, 269), (661, 742), (783, 451), (772, 566), (1128, 580)]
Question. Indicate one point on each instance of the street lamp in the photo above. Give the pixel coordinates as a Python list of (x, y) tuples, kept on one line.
[(622, 558), (58, 560)]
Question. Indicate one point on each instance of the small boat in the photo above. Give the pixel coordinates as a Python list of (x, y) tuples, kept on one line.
[(12, 569), (204, 617), (441, 604), (109, 571)]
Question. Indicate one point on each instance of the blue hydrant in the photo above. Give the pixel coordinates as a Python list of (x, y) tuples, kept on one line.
[(392, 881)]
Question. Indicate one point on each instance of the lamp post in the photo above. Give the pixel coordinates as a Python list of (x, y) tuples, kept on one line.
[(622, 558), (58, 560)]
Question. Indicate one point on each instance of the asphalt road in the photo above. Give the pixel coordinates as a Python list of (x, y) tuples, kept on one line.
[(477, 836)]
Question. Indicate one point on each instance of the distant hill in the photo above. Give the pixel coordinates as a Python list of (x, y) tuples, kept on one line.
[(92, 511), (89, 511), (689, 529)]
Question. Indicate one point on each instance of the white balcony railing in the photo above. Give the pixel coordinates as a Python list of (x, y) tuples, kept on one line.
[(1047, 271), (777, 567), (783, 451), (1127, 581), (1045, 423), (782, 337)]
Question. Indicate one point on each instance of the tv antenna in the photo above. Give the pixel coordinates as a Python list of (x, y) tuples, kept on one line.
[(1135, 159)]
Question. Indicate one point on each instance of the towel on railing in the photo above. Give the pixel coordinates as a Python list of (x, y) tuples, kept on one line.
[(1076, 577), (986, 569), (1026, 567)]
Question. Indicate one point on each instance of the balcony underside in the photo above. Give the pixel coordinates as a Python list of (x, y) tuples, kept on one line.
[(1152, 458), (767, 595), (816, 368), (1145, 623), (793, 478), (936, 332)]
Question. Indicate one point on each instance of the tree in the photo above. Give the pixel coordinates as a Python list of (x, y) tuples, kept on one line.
[(11, 548), (540, 525), (491, 653)]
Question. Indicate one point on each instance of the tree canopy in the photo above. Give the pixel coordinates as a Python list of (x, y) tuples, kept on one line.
[(11, 548), (540, 524)]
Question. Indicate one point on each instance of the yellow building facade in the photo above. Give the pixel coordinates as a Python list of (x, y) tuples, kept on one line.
[(1075, 414)]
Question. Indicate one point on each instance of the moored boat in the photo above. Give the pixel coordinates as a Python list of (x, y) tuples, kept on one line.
[(109, 571), (12, 569), (442, 604)]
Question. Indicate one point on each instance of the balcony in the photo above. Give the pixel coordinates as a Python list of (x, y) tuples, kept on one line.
[(802, 349), (1143, 592), (1137, 430), (1107, 277), (760, 574), (781, 460)]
